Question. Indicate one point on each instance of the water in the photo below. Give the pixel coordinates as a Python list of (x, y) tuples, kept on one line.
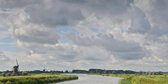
[(92, 79)]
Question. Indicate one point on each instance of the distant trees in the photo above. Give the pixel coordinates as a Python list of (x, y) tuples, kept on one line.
[(94, 71), (79, 71), (103, 71), (111, 71), (24, 73), (66, 71), (42, 71)]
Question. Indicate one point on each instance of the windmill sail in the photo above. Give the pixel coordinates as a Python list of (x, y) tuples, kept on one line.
[(17, 62)]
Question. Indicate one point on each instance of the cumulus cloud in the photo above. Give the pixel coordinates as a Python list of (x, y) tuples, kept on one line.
[(139, 20), (3, 57), (17, 3), (88, 33)]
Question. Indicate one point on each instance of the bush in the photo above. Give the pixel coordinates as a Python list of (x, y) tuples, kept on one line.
[(24, 73)]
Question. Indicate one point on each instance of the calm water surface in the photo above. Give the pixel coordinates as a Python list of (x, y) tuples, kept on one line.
[(92, 79)]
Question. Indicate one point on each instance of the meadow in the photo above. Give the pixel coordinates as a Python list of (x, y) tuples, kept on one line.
[(36, 79), (141, 79)]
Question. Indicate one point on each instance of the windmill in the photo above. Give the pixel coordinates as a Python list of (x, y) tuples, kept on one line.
[(16, 68), (44, 70)]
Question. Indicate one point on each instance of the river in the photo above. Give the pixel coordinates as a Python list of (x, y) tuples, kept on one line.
[(92, 79)]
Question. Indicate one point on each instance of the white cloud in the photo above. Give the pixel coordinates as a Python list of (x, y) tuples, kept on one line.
[(97, 33), (3, 57)]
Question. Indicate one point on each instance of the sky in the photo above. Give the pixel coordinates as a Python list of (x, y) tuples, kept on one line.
[(83, 34)]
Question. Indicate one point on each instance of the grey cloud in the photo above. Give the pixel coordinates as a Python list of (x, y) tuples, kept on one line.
[(3, 57), (105, 6), (52, 52), (139, 21), (26, 31), (65, 13), (156, 12), (55, 15), (17, 3), (34, 25), (110, 5), (122, 49), (42, 37), (94, 53), (75, 1)]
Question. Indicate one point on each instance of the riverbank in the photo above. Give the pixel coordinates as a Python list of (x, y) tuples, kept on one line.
[(36, 79), (141, 79)]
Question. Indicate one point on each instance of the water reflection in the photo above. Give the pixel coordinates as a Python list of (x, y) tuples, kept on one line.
[(92, 79)]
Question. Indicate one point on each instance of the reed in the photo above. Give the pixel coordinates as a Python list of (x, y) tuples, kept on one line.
[(140, 79), (144, 79), (36, 79)]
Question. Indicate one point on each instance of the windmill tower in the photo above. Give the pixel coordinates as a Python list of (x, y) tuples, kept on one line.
[(16, 68), (44, 70)]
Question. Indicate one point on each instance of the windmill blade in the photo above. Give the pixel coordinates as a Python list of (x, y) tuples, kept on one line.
[(17, 62)]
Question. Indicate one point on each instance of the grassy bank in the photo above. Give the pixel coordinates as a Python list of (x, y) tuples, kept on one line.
[(36, 79), (141, 79)]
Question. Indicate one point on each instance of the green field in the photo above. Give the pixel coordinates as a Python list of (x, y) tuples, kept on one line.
[(36, 79), (141, 79)]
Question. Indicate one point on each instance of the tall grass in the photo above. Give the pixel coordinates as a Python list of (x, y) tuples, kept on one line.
[(140, 79), (36, 79), (145, 79), (125, 81)]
